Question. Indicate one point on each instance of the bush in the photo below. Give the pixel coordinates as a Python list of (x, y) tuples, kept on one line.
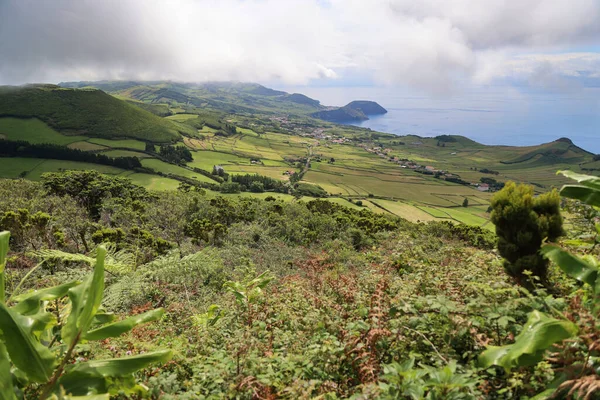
[(522, 222)]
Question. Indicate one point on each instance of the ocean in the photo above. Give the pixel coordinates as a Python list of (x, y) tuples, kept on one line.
[(490, 115)]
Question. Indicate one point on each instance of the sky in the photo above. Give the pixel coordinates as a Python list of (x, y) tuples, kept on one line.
[(437, 47)]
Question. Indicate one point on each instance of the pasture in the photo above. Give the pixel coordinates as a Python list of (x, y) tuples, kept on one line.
[(34, 131)]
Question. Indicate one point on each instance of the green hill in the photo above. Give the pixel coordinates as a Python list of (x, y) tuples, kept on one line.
[(367, 107), (342, 114), (88, 112), (550, 153)]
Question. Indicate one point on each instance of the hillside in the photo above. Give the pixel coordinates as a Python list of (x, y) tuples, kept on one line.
[(87, 112), (342, 114), (367, 107), (354, 111)]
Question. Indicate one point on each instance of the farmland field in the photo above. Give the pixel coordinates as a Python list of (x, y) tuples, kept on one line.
[(166, 168), (126, 143), (86, 146), (13, 167), (62, 165), (125, 153), (34, 131), (153, 182)]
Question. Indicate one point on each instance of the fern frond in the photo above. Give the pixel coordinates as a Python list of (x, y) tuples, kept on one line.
[(116, 262)]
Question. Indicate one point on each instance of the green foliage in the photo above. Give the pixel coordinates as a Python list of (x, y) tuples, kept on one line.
[(540, 333), (90, 188), (230, 187), (248, 292), (523, 221), (465, 202), (404, 381), (176, 154), (40, 353)]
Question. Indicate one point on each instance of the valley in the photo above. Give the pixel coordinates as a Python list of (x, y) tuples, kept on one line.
[(247, 129)]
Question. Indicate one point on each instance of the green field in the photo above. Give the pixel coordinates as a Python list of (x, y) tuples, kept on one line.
[(126, 143), (125, 153), (14, 167), (86, 146), (153, 182), (42, 166), (34, 131), (166, 168)]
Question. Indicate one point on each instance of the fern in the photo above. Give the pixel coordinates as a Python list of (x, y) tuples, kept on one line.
[(117, 262)]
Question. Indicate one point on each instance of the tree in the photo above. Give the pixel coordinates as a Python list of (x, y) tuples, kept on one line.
[(257, 187), (522, 223), (465, 202), (91, 188), (150, 147)]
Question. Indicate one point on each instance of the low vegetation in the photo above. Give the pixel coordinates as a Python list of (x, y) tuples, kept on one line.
[(274, 299)]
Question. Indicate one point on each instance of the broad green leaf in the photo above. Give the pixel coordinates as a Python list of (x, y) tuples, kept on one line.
[(586, 180), (573, 266), (42, 322), (70, 329), (116, 367), (85, 301), (6, 386), (583, 193), (4, 239), (102, 318), (539, 334), (26, 353), (118, 328), (96, 376), (29, 303), (494, 355), (94, 292), (105, 396)]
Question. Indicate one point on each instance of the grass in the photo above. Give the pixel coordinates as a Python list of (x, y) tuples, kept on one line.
[(62, 165), (86, 146), (34, 131), (125, 143), (14, 167), (182, 117), (154, 182), (125, 153), (167, 168), (404, 210)]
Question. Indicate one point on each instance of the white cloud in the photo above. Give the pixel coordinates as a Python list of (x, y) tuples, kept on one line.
[(431, 44)]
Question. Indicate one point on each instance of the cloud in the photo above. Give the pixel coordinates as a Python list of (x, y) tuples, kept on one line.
[(435, 45)]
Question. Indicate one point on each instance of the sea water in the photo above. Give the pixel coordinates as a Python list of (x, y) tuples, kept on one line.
[(490, 115)]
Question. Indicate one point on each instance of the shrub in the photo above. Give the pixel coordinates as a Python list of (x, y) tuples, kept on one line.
[(522, 223)]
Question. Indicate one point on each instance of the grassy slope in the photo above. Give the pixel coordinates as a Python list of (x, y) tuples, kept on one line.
[(85, 112), (34, 131)]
